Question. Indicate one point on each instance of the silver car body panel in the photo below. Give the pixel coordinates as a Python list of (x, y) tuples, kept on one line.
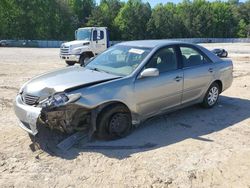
[(27, 115), (62, 79), (144, 97)]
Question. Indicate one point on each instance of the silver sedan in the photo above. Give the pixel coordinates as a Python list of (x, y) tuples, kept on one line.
[(122, 87)]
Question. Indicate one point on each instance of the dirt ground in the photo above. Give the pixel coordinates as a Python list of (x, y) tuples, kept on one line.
[(192, 147)]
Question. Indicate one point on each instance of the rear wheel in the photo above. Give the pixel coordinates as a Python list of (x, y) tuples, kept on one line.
[(114, 122), (70, 63), (211, 96), (225, 54)]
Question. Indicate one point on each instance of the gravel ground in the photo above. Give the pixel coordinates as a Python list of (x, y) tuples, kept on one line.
[(192, 147)]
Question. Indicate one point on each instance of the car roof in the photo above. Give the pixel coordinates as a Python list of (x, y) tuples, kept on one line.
[(151, 43), (164, 42)]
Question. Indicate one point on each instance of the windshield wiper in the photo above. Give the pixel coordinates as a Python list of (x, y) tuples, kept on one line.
[(100, 70)]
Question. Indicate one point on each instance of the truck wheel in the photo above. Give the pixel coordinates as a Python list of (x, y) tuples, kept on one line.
[(70, 63), (114, 122), (211, 96), (84, 59)]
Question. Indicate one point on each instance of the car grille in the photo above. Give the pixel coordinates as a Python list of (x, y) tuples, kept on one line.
[(30, 99), (64, 50)]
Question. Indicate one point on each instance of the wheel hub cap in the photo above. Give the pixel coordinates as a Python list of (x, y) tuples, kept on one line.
[(213, 95)]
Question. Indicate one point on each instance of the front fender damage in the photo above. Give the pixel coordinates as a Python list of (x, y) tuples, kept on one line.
[(69, 118)]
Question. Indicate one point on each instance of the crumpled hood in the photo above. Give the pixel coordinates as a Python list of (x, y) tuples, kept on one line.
[(75, 43), (60, 80)]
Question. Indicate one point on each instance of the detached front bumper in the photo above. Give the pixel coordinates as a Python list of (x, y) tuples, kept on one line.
[(70, 57), (27, 115)]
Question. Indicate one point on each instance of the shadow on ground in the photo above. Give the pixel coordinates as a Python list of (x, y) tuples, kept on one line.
[(161, 131)]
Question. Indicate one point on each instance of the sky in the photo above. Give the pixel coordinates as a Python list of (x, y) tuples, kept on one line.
[(155, 2)]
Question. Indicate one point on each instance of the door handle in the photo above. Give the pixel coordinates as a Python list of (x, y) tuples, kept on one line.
[(178, 78), (211, 70)]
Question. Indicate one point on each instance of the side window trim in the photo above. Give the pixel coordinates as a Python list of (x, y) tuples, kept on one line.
[(194, 48)]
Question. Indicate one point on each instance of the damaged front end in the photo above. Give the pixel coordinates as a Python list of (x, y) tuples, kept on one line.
[(59, 111), (62, 113)]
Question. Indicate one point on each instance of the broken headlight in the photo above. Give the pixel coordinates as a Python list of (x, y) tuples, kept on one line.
[(55, 100), (59, 100)]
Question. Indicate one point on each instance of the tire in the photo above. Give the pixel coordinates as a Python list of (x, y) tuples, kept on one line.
[(70, 63), (3, 44), (114, 122), (212, 96), (83, 59)]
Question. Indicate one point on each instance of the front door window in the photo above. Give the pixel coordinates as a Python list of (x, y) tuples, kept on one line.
[(164, 60)]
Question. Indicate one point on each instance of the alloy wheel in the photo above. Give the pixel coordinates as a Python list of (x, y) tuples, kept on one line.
[(213, 95)]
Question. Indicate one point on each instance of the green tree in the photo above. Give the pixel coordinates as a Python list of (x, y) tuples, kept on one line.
[(244, 11), (132, 20), (165, 22), (224, 22), (196, 17), (104, 15), (82, 9), (47, 19), (9, 13), (242, 29), (57, 19)]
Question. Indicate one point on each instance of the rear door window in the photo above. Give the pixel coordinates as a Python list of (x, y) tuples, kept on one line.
[(192, 57)]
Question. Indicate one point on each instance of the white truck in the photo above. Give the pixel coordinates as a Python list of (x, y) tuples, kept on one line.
[(89, 42)]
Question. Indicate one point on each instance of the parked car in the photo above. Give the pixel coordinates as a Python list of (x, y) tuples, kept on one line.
[(122, 87), (3, 43), (30, 43), (220, 52)]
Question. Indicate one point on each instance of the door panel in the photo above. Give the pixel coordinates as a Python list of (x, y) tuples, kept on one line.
[(156, 94), (198, 73), (196, 81), (101, 41)]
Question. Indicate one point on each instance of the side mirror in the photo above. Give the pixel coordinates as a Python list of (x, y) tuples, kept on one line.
[(76, 34), (149, 72)]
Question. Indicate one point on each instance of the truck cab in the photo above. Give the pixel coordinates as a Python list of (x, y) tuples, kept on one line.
[(89, 42)]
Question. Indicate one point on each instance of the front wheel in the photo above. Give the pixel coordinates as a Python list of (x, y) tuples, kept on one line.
[(70, 63), (211, 96), (114, 122), (84, 59)]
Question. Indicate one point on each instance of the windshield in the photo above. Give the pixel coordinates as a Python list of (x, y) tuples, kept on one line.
[(119, 60), (83, 34)]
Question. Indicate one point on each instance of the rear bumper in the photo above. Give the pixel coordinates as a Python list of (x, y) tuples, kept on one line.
[(27, 115), (70, 57)]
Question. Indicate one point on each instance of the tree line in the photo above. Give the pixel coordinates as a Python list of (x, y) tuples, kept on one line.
[(134, 19)]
